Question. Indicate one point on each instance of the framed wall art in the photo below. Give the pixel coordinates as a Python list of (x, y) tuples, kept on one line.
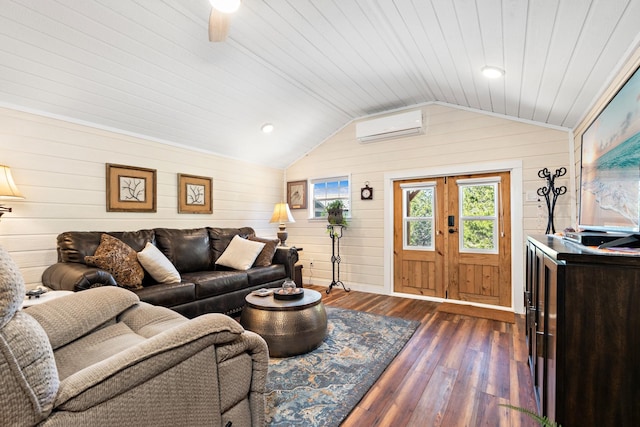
[(195, 194), (130, 189), (297, 194)]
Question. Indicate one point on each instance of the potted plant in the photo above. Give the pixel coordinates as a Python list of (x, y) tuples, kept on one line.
[(543, 421), (335, 211)]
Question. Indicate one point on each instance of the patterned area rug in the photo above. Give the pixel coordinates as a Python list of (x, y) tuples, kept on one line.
[(320, 388)]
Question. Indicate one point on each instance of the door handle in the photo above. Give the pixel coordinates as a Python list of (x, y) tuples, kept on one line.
[(453, 230)]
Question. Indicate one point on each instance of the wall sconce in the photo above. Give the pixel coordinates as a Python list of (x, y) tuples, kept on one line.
[(8, 189), (282, 215)]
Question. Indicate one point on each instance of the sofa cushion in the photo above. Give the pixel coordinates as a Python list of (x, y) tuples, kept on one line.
[(158, 265), (263, 275), (168, 295), (188, 250), (117, 258), (211, 283), (266, 255), (240, 254), (73, 246), (136, 239)]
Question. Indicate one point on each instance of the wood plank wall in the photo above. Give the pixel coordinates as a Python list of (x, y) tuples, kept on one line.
[(454, 136), (59, 166)]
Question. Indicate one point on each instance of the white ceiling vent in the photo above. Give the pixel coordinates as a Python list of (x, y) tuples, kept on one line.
[(397, 125)]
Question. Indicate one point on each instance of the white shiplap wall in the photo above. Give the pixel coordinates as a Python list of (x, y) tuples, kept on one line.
[(454, 136), (59, 166)]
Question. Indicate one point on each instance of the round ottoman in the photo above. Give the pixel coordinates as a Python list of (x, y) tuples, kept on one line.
[(289, 327)]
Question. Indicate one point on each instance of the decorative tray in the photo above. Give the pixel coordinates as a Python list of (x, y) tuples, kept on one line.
[(285, 294)]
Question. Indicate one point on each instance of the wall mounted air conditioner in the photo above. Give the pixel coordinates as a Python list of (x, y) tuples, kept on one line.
[(397, 125)]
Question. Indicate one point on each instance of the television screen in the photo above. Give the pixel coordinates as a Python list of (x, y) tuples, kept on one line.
[(610, 174)]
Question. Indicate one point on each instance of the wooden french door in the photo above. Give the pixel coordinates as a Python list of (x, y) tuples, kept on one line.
[(452, 237)]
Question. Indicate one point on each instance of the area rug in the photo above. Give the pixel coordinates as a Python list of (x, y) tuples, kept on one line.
[(320, 388)]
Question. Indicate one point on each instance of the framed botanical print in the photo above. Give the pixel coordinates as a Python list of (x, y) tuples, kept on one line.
[(195, 194), (130, 189), (297, 194)]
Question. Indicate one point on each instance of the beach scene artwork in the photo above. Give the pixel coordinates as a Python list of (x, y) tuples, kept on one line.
[(610, 180)]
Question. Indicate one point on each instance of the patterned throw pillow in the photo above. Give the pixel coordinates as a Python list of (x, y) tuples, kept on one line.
[(266, 255), (119, 259)]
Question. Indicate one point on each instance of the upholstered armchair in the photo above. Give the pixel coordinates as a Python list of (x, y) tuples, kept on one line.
[(103, 358)]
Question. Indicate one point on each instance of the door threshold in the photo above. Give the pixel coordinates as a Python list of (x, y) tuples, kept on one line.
[(475, 311)]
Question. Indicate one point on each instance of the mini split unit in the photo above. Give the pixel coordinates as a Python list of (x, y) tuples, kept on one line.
[(395, 126)]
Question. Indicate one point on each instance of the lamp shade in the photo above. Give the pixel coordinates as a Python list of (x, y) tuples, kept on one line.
[(282, 214), (8, 189)]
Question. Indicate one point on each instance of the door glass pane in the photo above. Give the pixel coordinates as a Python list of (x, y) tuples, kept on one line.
[(478, 234), (418, 217), (419, 233), (420, 203), (479, 217), (478, 200)]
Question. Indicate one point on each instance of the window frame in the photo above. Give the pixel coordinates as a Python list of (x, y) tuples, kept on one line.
[(312, 195)]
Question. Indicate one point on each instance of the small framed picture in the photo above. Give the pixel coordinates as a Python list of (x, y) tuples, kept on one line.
[(130, 189), (297, 194), (195, 194)]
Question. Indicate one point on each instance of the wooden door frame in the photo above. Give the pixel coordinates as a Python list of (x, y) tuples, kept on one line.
[(517, 232)]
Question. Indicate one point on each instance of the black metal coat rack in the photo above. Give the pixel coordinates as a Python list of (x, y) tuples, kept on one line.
[(551, 193)]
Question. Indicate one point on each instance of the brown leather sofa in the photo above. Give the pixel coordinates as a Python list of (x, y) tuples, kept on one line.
[(204, 287)]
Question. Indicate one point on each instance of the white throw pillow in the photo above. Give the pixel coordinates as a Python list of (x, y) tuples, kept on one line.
[(157, 264), (240, 254)]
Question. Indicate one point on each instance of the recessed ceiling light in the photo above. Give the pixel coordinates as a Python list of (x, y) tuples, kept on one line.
[(225, 6), (492, 72), (267, 128)]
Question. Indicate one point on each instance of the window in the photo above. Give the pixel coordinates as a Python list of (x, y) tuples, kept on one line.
[(326, 190), (418, 216), (479, 215)]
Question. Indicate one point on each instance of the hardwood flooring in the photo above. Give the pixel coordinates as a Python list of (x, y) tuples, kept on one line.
[(455, 371)]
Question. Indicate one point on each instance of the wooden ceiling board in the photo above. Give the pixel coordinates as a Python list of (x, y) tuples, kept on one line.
[(147, 67)]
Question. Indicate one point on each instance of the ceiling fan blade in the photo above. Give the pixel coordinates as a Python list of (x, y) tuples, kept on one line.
[(218, 26)]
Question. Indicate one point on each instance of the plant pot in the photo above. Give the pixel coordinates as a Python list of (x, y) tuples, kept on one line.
[(335, 216)]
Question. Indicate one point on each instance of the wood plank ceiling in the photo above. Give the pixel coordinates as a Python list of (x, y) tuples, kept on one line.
[(309, 67)]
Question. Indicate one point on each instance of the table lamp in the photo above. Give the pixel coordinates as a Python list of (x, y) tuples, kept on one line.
[(8, 189), (282, 215)]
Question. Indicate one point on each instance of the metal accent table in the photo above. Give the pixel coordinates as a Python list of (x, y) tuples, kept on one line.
[(335, 256), (289, 327)]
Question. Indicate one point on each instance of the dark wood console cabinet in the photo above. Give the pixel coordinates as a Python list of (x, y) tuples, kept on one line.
[(583, 333)]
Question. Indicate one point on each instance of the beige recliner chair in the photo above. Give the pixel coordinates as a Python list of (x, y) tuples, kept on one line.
[(101, 357)]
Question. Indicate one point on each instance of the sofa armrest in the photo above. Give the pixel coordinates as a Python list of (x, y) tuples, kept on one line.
[(288, 257), (73, 276)]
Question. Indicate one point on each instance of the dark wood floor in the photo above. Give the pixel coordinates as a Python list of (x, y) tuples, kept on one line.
[(455, 371)]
